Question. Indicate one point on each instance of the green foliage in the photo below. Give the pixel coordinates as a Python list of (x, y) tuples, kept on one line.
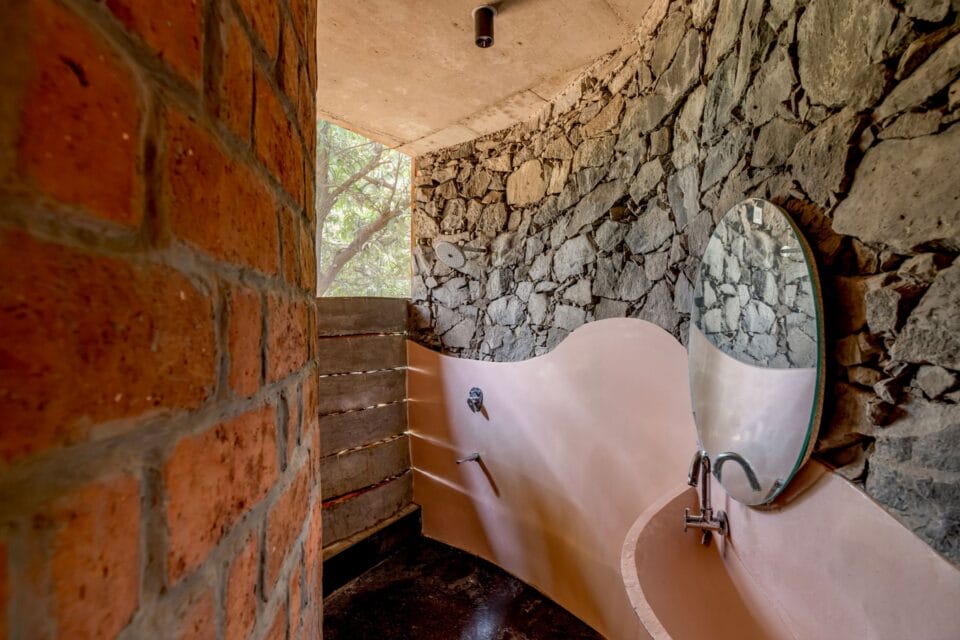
[(363, 216)]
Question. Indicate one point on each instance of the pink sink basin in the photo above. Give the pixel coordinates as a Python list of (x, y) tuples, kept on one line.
[(681, 589), (826, 563)]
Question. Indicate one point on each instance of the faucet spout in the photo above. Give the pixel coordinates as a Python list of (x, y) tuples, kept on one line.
[(705, 520), (722, 458)]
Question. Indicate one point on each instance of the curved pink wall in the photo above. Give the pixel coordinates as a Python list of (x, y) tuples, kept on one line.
[(578, 443)]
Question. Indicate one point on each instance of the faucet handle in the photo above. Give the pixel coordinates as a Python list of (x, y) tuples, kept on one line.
[(693, 476)]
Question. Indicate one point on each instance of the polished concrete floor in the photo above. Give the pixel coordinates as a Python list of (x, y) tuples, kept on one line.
[(429, 591)]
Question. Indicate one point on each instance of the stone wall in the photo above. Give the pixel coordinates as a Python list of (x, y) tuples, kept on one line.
[(843, 113), (159, 472)]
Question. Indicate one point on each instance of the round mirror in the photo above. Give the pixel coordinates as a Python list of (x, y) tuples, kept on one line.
[(756, 351)]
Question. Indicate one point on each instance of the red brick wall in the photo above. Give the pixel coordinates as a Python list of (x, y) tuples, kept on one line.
[(158, 422)]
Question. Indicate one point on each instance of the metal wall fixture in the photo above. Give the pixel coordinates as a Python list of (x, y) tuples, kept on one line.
[(452, 255), (483, 25), (475, 400), (705, 520)]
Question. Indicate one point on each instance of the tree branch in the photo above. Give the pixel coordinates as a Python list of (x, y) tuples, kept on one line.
[(363, 236)]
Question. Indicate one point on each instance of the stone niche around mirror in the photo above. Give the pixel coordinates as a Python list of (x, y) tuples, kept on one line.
[(756, 336)]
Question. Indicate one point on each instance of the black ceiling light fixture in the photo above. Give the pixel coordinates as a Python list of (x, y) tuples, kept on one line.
[(483, 25)]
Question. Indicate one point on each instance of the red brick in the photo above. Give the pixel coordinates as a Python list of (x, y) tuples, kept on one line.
[(212, 480), (88, 339), (290, 247), (276, 140), (293, 417), (240, 608), (264, 17), (246, 340), (172, 29), (313, 562), (308, 261), (79, 119), (296, 594), (285, 522), (216, 203), (311, 42), (236, 79), (290, 62), (287, 347), (95, 562), (278, 629), (307, 114), (199, 622)]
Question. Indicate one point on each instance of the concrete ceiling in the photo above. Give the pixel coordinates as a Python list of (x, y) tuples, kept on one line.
[(408, 74)]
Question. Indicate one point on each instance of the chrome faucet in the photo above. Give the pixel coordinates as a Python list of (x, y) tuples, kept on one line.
[(736, 457), (705, 520)]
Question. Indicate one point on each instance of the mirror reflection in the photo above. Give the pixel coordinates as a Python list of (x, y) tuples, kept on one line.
[(755, 351)]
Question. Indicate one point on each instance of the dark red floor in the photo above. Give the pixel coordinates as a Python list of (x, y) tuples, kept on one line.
[(429, 591)]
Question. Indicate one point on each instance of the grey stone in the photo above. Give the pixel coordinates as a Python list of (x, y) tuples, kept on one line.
[(644, 114), (588, 179), (934, 381), (905, 193), (447, 190), (701, 10), (609, 234), (772, 87), (758, 318), (912, 125), (667, 40), (932, 332), (479, 183), (607, 119), (558, 176), (775, 143), (819, 159), (632, 283), (721, 99), (923, 267), (683, 190), (524, 289), (454, 216), (594, 152), (568, 318), (627, 162), (594, 206), (526, 184), (572, 256), (453, 293), (461, 335), (683, 72), (655, 265), (559, 148), (608, 308), (726, 29), (499, 282), (446, 319), (780, 11), (722, 158), (658, 308), (660, 141), (507, 311), (651, 230), (493, 220), (505, 250), (579, 293), (501, 163), (840, 46), (646, 181), (424, 226), (929, 10), (606, 279), (683, 294), (537, 307), (540, 268)]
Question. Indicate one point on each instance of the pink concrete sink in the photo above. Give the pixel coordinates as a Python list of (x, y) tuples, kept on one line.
[(681, 589)]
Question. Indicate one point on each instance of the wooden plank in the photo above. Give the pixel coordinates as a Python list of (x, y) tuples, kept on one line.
[(360, 468), (347, 354), (355, 428), (344, 519), (347, 316), (361, 390)]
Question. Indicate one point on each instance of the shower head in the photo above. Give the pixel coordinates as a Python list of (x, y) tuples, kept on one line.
[(452, 255)]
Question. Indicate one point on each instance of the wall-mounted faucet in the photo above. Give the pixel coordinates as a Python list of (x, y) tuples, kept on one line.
[(705, 520)]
